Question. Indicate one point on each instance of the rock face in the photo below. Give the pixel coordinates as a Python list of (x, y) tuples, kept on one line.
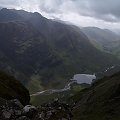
[(10, 88), (13, 110)]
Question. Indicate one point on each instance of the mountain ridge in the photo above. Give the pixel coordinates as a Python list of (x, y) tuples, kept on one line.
[(104, 39)]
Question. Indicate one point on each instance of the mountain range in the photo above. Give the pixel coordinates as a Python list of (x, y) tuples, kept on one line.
[(44, 53)]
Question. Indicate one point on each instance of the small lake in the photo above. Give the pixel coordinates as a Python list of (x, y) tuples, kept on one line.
[(83, 78)]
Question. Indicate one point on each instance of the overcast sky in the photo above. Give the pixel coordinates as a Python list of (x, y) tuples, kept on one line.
[(100, 13)]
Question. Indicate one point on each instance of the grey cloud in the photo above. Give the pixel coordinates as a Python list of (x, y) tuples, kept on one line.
[(7, 2), (50, 6), (107, 10)]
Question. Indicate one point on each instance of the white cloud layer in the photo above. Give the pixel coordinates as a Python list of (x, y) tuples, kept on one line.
[(102, 13)]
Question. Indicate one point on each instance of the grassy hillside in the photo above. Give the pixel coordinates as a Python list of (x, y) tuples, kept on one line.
[(99, 102), (62, 96)]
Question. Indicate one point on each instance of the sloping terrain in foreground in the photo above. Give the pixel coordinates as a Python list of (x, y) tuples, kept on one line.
[(99, 102)]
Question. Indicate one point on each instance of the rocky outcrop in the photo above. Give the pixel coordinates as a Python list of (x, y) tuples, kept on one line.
[(14, 110), (10, 88)]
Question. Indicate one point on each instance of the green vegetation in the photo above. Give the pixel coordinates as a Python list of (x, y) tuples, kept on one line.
[(34, 84), (100, 101), (62, 96)]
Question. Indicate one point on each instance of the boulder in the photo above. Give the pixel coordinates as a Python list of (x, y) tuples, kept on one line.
[(23, 118), (6, 115), (16, 103), (29, 111)]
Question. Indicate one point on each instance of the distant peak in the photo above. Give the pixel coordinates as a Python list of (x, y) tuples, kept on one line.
[(37, 14), (4, 9)]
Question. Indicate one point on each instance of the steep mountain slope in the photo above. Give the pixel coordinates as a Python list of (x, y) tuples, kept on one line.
[(104, 39), (101, 35), (114, 48), (10, 88), (99, 102), (43, 53)]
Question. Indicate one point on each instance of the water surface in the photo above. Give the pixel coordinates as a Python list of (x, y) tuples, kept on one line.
[(84, 78)]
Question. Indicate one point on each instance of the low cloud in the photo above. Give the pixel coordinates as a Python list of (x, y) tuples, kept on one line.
[(101, 13)]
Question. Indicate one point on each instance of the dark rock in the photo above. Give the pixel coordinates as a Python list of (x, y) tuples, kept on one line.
[(6, 115), (18, 112), (14, 110), (29, 111), (16, 103), (23, 118), (10, 88)]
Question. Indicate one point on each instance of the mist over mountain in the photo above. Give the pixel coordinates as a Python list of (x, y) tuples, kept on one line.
[(104, 39), (101, 35)]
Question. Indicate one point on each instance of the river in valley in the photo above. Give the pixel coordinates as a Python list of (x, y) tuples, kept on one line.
[(77, 78)]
